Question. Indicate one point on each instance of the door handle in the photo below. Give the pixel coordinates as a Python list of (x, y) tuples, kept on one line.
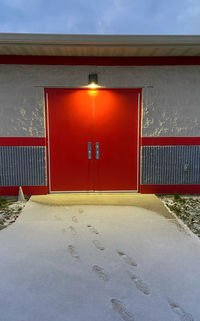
[(89, 150), (97, 151)]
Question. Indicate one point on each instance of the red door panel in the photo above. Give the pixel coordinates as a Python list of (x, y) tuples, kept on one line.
[(70, 130), (116, 131), (108, 117)]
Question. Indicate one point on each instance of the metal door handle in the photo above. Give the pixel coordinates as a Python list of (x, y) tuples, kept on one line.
[(97, 151), (89, 150)]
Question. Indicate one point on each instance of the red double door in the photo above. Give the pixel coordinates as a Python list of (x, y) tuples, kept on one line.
[(93, 139)]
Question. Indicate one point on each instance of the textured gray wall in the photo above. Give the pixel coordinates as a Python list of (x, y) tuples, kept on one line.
[(171, 96)]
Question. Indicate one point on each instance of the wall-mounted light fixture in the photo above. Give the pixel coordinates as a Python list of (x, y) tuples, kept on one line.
[(93, 81)]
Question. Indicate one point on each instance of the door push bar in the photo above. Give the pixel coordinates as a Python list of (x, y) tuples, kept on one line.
[(97, 151), (90, 150)]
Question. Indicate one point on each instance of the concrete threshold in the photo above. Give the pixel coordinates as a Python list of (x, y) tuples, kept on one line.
[(148, 201)]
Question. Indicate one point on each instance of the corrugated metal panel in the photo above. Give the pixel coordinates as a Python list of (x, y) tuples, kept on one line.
[(170, 165), (23, 165)]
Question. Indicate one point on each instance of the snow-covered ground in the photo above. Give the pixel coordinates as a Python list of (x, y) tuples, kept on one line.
[(98, 263)]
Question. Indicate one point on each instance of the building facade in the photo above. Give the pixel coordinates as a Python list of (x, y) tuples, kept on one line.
[(138, 131)]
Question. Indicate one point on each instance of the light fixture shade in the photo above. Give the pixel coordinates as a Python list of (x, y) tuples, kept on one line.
[(93, 79)]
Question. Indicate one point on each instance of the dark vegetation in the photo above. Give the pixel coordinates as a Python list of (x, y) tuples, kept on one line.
[(186, 208)]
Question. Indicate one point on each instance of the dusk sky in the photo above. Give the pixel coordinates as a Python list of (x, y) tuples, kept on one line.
[(101, 17)]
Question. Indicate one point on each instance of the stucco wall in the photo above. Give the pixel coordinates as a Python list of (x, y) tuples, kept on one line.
[(171, 96)]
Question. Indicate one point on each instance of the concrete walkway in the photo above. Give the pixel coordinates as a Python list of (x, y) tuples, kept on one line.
[(94, 263)]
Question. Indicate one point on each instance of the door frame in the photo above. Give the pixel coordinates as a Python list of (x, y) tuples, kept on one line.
[(48, 159)]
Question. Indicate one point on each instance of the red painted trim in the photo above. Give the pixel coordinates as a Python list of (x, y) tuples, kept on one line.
[(58, 90), (170, 189), (47, 137), (22, 141), (28, 190), (100, 61), (140, 141), (164, 141)]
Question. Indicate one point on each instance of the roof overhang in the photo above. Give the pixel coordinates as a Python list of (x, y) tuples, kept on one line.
[(99, 45)]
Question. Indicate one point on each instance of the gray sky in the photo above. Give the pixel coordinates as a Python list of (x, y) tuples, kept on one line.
[(102, 16)]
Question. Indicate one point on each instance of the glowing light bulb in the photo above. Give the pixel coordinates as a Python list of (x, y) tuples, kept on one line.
[(93, 86)]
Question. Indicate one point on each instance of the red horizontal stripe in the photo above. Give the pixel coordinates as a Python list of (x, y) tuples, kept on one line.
[(22, 141), (146, 141), (170, 189), (27, 190), (100, 61), (164, 141), (144, 189)]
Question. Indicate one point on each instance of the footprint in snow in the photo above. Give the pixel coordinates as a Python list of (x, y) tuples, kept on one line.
[(177, 309), (72, 230), (58, 218), (100, 272), (74, 219), (120, 308), (72, 251), (92, 229), (127, 259), (98, 245), (140, 284)]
